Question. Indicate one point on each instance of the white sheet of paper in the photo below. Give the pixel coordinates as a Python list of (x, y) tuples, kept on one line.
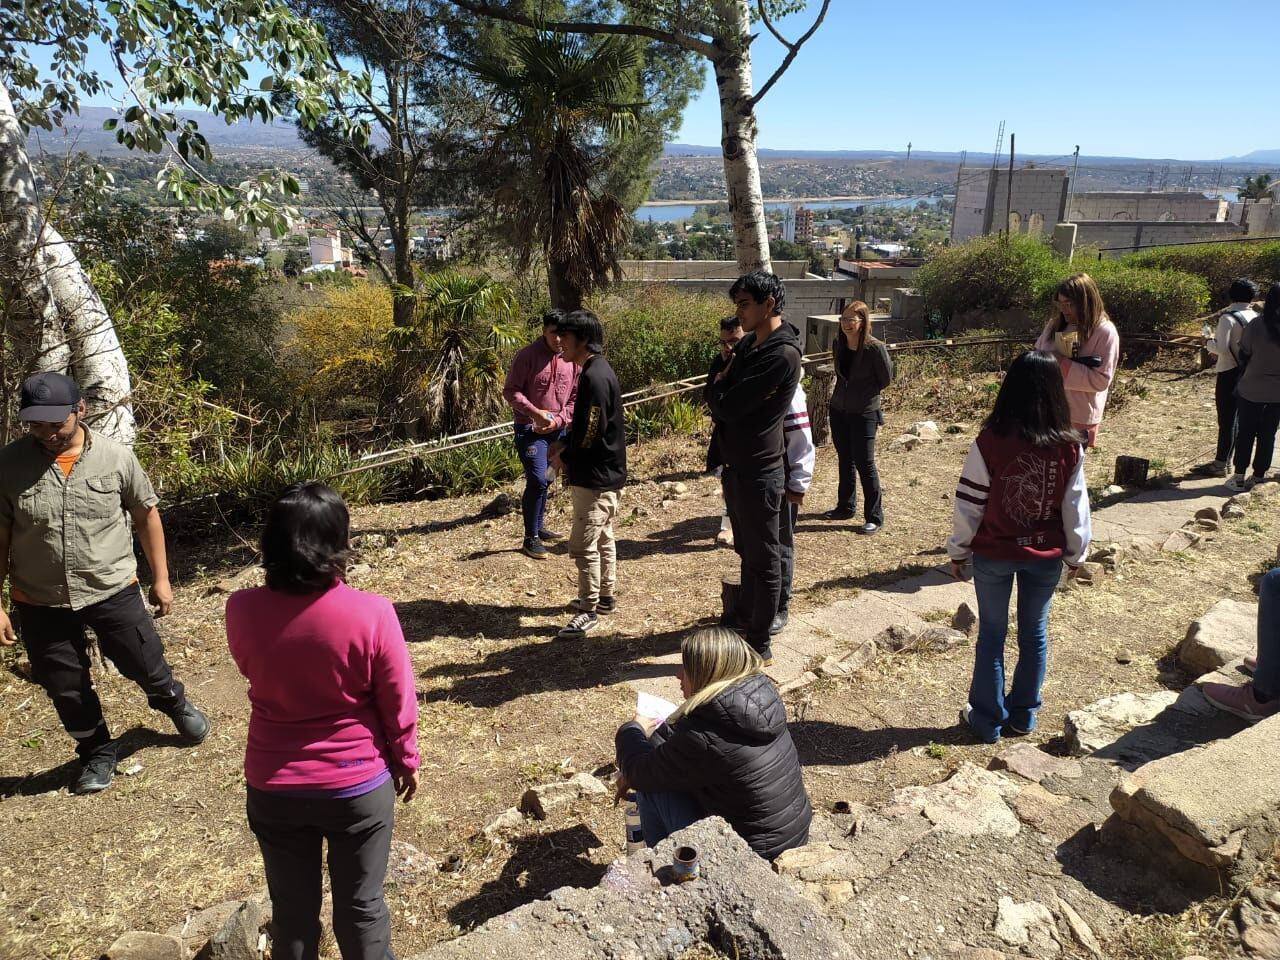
[(655, 708)]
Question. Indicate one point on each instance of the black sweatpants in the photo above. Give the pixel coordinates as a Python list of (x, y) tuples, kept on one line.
[(1257, 427), (787, 540), (56, 643), (290, 833), (755, 504), (854, 437), (1224, 398)]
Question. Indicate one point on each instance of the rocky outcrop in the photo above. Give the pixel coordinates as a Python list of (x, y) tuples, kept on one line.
[(1226, 632), (1101, 724), (737, 906)]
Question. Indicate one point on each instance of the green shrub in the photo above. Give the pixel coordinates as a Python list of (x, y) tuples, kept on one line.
[(472, 469), (676, 415), (654, 334), (1145, 300), (989, 273), (1218, 263)]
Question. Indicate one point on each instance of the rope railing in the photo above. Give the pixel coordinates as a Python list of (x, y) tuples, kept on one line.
[(674, 388)]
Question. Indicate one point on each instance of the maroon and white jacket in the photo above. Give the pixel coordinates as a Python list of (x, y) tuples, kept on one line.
[(1016, 501)]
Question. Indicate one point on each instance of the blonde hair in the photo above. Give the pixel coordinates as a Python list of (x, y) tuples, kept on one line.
[(860, 310), (713, 659), (1082, 291)]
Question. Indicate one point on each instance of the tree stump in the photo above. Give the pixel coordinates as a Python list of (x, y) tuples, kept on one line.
[(821, 384), (1132, 471), (729, 587)]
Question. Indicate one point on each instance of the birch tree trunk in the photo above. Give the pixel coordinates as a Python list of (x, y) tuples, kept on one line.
[(52, 316), (738, 137)]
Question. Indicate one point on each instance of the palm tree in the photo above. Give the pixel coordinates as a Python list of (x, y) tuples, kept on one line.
[(1256, 188), (565, 97), (452, 352)]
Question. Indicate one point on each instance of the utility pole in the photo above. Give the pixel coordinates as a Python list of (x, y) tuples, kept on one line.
[(908, 151), (1008, 197), (1071, 187)]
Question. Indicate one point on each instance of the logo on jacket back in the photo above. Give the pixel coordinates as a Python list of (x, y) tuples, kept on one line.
[(1030, 488)]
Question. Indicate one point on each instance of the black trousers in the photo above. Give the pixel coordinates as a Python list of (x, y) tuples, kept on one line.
[(787, 540), (1224, 398), (290, 833), (854, 437), (755, 504), (56, 643), (1257, 424)]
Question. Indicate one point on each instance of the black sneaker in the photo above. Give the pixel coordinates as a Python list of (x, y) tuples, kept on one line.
[(578, 627), (778, 623), (192, 725), (96, 773), (839, 513), (869, 529), (550, 536), (534, 549)]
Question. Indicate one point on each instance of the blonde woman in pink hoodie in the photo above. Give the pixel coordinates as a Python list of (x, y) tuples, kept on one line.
[(1087, 345)]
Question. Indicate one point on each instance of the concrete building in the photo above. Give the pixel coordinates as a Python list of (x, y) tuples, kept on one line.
[(329, 250), (789, 224), (1116, 237), (875, 280), (804, 225), (984, 203)]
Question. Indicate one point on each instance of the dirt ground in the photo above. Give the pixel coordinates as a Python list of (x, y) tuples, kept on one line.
[(504, 705)]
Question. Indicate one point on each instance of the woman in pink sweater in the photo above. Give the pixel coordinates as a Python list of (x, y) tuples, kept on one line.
[(332, 731), (1088, 347)]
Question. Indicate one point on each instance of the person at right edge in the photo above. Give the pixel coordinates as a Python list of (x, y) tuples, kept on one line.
[(749, 400), (1225, 345), (1258, 394)]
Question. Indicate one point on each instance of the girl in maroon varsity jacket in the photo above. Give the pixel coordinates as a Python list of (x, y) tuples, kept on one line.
[(1021, 512)]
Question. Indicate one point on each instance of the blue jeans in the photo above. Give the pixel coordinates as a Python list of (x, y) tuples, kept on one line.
[(1266, 679), (663, 812), (532, 448), (993, 582)]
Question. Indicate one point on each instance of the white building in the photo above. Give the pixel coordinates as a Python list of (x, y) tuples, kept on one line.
[(329, 250), (789, 224)]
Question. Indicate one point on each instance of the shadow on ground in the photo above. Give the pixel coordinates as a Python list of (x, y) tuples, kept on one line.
[(539, 863), (833, 744), (62, 776)]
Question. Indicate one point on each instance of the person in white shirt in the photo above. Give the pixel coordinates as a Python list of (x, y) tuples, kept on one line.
[(1224, 343), (798, 437)]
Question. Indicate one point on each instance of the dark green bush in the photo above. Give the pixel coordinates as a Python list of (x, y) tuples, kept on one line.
[(1144, 300), (988, 273), (1218, 263)]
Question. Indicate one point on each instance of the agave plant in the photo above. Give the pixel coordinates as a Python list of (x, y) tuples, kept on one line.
[(564, 96), (452, 351)]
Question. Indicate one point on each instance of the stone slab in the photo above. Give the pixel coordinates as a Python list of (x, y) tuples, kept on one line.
[(1227, 631)]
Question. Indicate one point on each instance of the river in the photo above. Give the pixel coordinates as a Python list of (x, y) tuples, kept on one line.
[(673, 212)]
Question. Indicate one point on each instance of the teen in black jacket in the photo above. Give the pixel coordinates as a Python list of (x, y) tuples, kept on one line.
[(726, 752)]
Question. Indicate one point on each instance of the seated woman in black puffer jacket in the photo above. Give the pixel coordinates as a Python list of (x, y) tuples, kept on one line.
[(724, 752)]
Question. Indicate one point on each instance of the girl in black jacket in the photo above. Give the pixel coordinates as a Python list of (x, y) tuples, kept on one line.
[(725, 752), (863, 369)]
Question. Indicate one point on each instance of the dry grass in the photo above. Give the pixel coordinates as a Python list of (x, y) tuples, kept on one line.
[(503, 705)]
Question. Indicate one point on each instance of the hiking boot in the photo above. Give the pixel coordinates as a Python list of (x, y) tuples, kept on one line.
[(839, 513), (869, 529), (778, 623), (96, 773), (1214, 468), (604, 606), (578, 627), (1239, 701), (550, 536), (533, 549), (190, 722)]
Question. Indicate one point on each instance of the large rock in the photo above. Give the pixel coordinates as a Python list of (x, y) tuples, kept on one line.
[(1228, 631), (196, 930), (140, 945), (1101, 724), (540, 800), (1211, 813), (880, 843), (737, 906), (1031, 763), (1027, 925), (237, 938), (969, 804)]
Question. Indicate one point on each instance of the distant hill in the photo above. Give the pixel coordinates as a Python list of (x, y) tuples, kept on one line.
[(1258, 156), (86, 133)]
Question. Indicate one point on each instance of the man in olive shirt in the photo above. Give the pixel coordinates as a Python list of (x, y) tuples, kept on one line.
[(66, 498)]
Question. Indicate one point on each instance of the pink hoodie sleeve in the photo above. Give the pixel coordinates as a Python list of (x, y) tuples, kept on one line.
[(513, 389), (1104, 343), (565, 416), (395, 691)]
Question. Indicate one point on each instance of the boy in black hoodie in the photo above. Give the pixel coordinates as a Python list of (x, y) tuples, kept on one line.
[(749, 399), (594, 457)]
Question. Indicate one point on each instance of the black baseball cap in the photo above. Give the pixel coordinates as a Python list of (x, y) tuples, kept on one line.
[(48, 398)]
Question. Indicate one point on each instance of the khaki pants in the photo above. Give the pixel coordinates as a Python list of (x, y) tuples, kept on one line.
[(591, 543)]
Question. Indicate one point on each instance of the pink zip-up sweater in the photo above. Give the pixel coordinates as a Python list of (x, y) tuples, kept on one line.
[(330, 686), (541, 380), (1087, 387)]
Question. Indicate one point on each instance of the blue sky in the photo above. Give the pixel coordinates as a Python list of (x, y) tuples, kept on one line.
[(1121, 78)]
